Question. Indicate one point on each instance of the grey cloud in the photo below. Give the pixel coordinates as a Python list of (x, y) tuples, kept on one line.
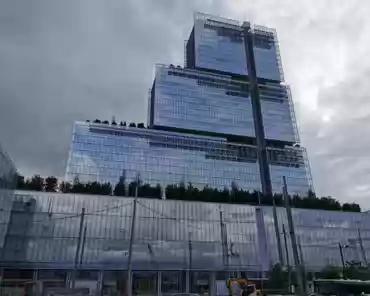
[(62, 61)]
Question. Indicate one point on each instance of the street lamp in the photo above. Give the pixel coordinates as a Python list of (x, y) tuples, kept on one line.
[(341, 247)]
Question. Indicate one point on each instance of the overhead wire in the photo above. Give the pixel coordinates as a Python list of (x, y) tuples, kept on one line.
[(78, 215)]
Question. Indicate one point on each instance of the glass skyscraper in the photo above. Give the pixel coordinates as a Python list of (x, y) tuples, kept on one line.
[(7, 171), (224, 118)]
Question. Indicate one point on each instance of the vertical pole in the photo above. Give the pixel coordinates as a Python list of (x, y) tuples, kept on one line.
[(35, 275), (188, 285), (342, 259), (362, 247), (277, 232), (212, 284), (78, 247), (301, 290), (1, 280), (303, 269), (100, 283), (132, 237), (187, 281), (225, 257), (287, 258), (83, 245), (159, 283), (259, 198)]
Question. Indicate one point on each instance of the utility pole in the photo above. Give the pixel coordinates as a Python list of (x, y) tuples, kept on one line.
[(277, 232), (78, 247), (259, 197), (83, 245), (342, 259), (301, 290), (190, 253), (132, 237), (188, 274), (225, 257), (362, 247), (303, 270), (287, 258)]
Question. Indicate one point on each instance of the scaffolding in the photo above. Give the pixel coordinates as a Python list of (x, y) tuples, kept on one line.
[(288, 156), (291, 157), (206, 79), (217, 20), (292, 114), (308, 171)]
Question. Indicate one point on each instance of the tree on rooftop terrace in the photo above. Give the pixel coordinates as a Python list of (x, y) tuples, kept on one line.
[(65, 187), (97, 121), (132, 124), (182, 192), (51, 184), (132, 187), (106, 188), (141, 125), (77, 186), (21, 184), (146, 190), (37, 183), (351, 207), (120, 188)]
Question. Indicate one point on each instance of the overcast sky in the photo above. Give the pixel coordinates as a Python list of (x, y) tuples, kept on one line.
[(69, 60)]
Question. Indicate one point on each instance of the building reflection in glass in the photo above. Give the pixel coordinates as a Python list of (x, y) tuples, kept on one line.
[(162, 234)]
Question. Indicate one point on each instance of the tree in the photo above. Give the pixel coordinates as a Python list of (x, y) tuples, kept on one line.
[(120, 188), (351, 207), (97, 121), (132, 124), (106, 189), (21, 182), (329, 272), (278, 278), (51, 184), (105, 122), (234, 194), (77, 186), (37, 183), (141, 125), (65, 187)]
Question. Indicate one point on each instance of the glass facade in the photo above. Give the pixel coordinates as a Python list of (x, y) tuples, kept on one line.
[(319, 233), (195, 100), (219, 45), (102, 153), (266, 54), (169, 235), (278, 113), (7, 171), (291, 163), (8, 179)]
